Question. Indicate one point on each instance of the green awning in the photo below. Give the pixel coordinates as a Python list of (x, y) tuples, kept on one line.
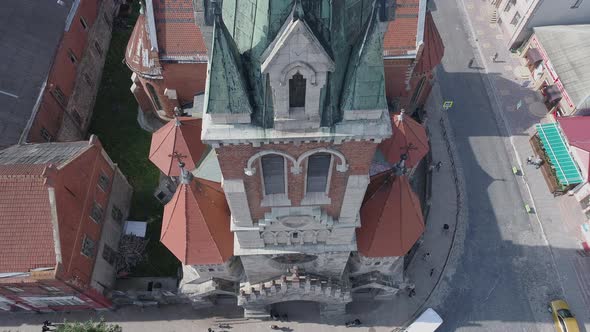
[(565, 168)]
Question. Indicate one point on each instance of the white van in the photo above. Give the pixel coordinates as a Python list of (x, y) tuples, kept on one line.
[(429, 321)]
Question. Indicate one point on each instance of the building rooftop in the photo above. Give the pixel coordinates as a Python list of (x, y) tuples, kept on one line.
[(196, 223), (568, 48), (42, 153), (30, 34), (391, 217)]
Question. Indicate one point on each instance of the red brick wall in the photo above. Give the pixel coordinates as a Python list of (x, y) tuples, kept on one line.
[(395, 78), (233, 159), (187, 78), (63, 72), (76, 189), (159, 87)]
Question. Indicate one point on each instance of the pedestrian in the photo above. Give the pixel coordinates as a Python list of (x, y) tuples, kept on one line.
[(209, 330), (426, 256), (446, 227), (431, 272), (431, 168), (412, 292), (470, 64), (438, 166), (495, 57)]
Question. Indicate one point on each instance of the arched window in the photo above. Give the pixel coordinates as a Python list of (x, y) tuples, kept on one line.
[(273, 174), (154, 96), (318, 171), (297, 91)]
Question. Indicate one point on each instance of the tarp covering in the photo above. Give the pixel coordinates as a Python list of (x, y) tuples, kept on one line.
[(565, 168), (533, 56)]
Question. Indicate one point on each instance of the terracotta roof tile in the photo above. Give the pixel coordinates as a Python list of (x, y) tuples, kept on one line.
[(196, 224), (182, 136), (26, 234), (400, 36), (138, 55), (391, 217), (408, 137), (178, 33)]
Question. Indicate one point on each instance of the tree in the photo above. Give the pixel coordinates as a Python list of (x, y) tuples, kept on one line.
[(88, 326)]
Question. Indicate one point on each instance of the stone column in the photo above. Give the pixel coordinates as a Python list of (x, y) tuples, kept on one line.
[(353, 197)]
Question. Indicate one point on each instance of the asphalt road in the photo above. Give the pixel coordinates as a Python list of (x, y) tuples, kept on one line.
[(504, 278)]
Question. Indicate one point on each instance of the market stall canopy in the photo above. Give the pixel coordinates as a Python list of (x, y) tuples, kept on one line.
[(566, 170), (533, 56), (577, 132), (178, 140)]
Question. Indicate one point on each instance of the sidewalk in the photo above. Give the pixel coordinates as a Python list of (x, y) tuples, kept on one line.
[(559, 217)]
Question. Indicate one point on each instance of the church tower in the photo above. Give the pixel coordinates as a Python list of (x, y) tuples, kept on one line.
[(294, 109)]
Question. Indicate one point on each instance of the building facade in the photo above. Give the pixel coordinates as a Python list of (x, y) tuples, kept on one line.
[(294, 109), (61, 60), (518, 17), (63, 205)]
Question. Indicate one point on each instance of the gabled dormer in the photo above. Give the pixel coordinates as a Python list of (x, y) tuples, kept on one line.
[(297, 66)]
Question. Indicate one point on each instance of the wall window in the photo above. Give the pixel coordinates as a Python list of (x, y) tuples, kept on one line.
[(515, 19), (77, 117), (83, 23), (96, 213), (88, 246), (318, 170), (273, 173), (103, 181), (109, 255), (46, 135), (72, 55), (509, 5), (154, 96), (51, 289), (117, 214), (88, 79), (297, 91), (576, 4), (98, 48), (59, 96), (53, 301), (15, 289)]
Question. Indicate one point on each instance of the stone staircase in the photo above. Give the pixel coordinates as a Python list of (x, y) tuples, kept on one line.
[(294, 287), (494, 17)]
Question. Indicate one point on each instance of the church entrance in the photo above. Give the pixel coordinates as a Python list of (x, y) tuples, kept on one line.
[(299, 311)]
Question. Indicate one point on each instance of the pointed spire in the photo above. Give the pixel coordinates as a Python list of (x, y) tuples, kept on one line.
[(177, 122), (298, 12), (226, 90), (400, 117), (141, 8), (185, 176), (400, 167)]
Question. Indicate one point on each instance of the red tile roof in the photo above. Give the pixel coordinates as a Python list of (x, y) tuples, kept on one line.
[(196, 225), (577, 130), (138, 55), (434, 48), (391, 217), (181, 136), (408, 137), (178, 34), (400, 36), (26, 232)]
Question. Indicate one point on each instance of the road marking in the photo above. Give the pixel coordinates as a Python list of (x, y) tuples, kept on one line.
[(8, 94), (447, 104)]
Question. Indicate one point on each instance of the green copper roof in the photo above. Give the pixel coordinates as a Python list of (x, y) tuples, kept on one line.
[(338, 25), (365, 81), (226, 88)]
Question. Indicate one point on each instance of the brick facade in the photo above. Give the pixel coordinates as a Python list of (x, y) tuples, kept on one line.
[(66, 105), (233, 159)]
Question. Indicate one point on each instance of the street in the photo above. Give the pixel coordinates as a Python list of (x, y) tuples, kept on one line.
[(507, 273)]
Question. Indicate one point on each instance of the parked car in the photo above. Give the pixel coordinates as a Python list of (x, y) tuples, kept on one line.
[(562, 316)]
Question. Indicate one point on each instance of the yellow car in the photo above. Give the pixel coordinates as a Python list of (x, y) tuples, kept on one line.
[(562, 316)]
